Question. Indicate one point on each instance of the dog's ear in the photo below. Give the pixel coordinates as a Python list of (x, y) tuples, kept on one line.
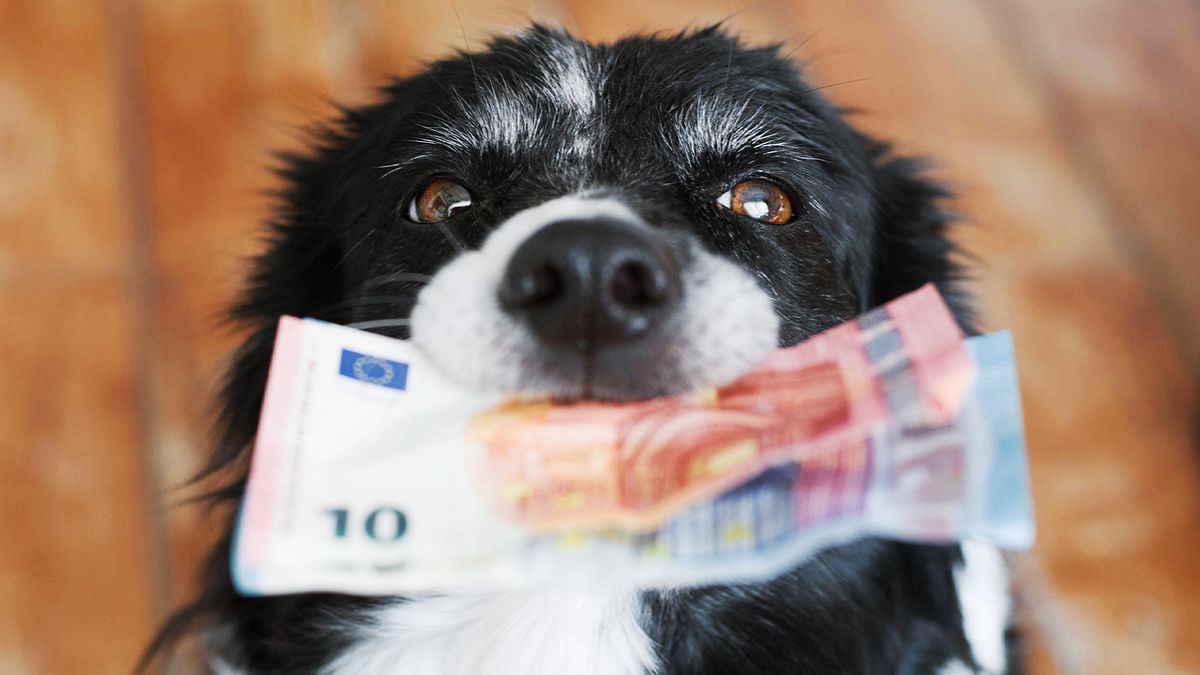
[(911, 239)]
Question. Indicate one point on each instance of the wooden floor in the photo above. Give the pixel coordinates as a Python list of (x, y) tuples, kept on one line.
[(134, 142)]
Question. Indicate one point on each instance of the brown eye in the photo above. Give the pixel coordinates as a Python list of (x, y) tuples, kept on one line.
[(441, 199), (760, 200)]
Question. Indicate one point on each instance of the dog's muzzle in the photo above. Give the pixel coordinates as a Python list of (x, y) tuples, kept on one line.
[(578, 297), (588, 285)]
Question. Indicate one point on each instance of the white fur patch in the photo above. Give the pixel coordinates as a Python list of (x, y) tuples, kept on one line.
[(983, 596), (220, 666), (956, 667), (725, 325), (503, 633), (571, 77)]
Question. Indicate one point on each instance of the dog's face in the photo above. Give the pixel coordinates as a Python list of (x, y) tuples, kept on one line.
[(615, 221)]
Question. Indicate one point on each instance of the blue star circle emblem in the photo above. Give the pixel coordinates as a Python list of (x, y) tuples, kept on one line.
[(374, 370)]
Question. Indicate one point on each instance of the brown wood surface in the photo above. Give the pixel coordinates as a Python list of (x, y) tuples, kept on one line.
[(134, 146), (1121, 84), (75, 554)]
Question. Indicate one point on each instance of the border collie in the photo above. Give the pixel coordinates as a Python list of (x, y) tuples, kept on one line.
[(613, 221)]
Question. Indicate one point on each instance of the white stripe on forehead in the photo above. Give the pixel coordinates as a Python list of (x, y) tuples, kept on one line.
[(572, 77)]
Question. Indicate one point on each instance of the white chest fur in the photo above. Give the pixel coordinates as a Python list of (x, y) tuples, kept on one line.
[(593, 632), (983, 596), (557, 633)]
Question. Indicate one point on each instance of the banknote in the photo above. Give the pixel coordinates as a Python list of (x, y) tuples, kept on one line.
[(372, 473), (591, 465)]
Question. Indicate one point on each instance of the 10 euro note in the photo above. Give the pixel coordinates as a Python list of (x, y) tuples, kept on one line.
[(372, 473)]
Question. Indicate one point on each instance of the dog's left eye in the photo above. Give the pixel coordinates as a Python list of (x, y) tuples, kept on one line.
[(439, 200), (758, 199)]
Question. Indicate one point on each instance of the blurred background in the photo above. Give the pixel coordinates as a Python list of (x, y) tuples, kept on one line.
[(134, 153)]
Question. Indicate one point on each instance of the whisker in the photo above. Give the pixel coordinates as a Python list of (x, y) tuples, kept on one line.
[(364, 301), (372, 299), (379, 323), (802, 43), (837, 84), (461, 29), (395, 277), (350, 251), (451, 237), (391, 169), (729, 59)]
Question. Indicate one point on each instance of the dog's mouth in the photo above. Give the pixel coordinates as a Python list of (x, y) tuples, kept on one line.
[(578, 299)]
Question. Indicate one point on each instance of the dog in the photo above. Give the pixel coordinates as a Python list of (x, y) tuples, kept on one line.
[(615, 221)]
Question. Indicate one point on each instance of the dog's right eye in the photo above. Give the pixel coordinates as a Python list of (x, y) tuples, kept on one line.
[(439, 200), (759, 199)]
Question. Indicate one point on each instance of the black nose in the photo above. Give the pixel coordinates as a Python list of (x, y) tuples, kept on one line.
[(589, 284)]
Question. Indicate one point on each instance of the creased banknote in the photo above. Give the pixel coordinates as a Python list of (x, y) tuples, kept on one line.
[(374, 474)]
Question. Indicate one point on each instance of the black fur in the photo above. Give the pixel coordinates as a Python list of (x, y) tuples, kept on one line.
[(877, 231)]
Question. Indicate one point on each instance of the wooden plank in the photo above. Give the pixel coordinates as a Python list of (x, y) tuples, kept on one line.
[(75, 558), (1108, 399), (1122, 83), (57, 122), (73, 566)]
